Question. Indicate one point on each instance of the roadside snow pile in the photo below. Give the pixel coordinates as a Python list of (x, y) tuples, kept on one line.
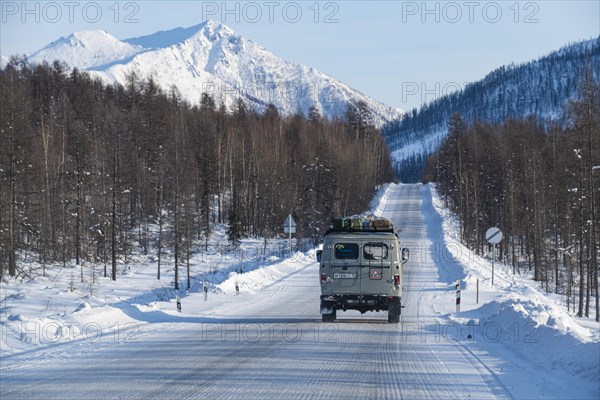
[(514, 314), (377, 205), (535, 331), (265, 274)]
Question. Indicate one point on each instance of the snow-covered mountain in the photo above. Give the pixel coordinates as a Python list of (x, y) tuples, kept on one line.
[(539, 88), (211, 58)]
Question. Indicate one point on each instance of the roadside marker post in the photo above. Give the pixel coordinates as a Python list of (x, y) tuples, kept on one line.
[(237, 288), (205, 291), (457, 287), (178, 303)]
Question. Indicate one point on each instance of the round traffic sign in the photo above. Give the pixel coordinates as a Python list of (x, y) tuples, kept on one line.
[(493, 235)]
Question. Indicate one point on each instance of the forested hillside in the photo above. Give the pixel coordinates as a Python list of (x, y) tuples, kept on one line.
[(540, 88), (88, 170), (539, 184)]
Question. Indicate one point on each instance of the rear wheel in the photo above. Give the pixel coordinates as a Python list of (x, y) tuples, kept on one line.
[(393, 319), (329, 317)]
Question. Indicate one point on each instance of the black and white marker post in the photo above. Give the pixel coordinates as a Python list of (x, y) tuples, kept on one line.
[(457, 287), (205, 291), (178, 303)]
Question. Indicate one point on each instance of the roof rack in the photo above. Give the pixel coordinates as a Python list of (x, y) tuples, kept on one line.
[(368, 224)]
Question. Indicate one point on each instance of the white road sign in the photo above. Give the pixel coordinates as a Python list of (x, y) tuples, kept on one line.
[(493, 235), (289, 226)]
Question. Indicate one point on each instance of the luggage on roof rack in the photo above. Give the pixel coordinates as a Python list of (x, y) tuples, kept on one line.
[(366, 224), (340, 223)]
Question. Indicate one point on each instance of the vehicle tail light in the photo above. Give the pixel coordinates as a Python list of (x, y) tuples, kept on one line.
[(397, 280), (323, 279)]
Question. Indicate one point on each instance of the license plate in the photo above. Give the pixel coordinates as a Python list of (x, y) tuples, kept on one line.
[(344, 276)]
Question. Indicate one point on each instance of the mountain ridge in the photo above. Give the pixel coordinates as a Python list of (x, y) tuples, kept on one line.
[(166, 38), (211, 58)]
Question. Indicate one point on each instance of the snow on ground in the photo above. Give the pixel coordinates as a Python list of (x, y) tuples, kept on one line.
[(523, 343), (72, 303), (516, 321), (69, 304), (379, 201), (268, 344)]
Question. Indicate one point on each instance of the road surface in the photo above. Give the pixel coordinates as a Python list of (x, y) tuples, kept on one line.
[(272, 344)]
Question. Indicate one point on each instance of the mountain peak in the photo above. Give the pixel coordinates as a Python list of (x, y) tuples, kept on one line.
[(85, 39), (85, 49), (92, 34), (210, 29), (217, 28)]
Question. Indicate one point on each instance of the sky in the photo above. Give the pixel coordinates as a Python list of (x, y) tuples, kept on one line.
[(403, 53)]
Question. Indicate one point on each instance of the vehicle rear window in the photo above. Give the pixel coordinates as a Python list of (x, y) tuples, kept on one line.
[(346, 251), (375, 251)]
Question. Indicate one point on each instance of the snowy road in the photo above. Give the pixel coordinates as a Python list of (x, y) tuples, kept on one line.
[(272, 345)]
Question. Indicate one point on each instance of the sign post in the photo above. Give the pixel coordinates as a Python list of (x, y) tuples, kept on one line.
[(289, 227), (493, 236)]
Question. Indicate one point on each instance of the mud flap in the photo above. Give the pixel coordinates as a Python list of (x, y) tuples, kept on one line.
[(394, 306), (327, 308)]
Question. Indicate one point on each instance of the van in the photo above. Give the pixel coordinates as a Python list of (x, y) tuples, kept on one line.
[(361, 268)]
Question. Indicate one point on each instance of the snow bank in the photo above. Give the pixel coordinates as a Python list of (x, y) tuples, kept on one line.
[(517, 320), (377, 204), (264, 275)]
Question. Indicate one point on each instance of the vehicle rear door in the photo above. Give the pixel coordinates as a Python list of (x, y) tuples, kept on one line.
[(345, 267), (376, 272)]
